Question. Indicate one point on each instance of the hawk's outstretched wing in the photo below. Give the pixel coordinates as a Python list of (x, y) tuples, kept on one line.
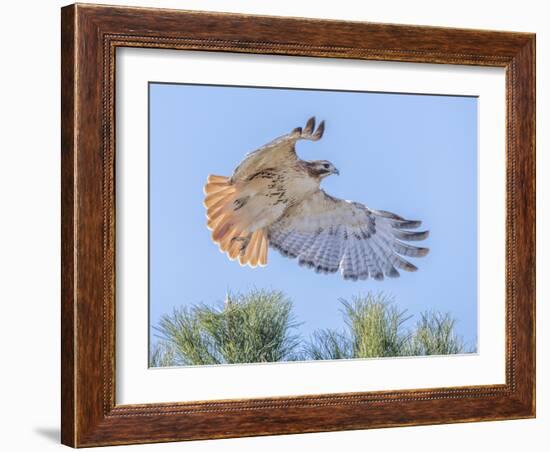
[(330, 234), (278, 153)]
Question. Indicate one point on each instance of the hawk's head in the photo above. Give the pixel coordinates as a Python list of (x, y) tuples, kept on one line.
[(321, 168)]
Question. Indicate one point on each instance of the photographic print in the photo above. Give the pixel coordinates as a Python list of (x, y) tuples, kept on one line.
[(293, 225), (335, 220)]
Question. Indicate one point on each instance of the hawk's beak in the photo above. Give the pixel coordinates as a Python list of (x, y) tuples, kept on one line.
[(335, 171)]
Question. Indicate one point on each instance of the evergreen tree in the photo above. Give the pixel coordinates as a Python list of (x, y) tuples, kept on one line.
[(250, 328)]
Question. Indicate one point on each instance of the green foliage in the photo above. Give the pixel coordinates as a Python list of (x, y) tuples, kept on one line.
[(259, 327), (434, 335), (375, 328), (375, 325), (163, 355), (328, 344), (251, 328)]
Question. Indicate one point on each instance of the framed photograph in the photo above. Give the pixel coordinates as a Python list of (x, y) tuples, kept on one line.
[(281, 225)]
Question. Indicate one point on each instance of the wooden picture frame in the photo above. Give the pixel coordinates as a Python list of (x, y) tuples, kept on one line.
[(90, 35)]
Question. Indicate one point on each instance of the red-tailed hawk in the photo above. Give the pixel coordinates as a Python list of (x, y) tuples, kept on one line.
[(274, 199)]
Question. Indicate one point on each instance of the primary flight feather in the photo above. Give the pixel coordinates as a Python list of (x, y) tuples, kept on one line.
[(274, 199)]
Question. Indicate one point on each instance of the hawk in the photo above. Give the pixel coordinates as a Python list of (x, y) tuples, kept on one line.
[(274, 199)]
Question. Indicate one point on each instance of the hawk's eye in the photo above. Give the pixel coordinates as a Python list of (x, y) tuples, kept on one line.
[(325, 165)]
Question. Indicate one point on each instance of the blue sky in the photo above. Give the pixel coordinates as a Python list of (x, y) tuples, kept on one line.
[(415, 155)]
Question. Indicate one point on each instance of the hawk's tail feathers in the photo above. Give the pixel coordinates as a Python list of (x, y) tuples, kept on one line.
[(255, 253), (228, 230)]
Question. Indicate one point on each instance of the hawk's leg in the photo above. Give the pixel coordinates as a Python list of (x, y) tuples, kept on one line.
[(245, 241)]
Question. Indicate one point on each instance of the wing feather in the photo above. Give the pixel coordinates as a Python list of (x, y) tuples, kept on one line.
[(329, 234), (278, 153), (362, 265)]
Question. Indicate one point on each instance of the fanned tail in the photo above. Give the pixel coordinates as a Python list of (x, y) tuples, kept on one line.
[(222, 204)]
